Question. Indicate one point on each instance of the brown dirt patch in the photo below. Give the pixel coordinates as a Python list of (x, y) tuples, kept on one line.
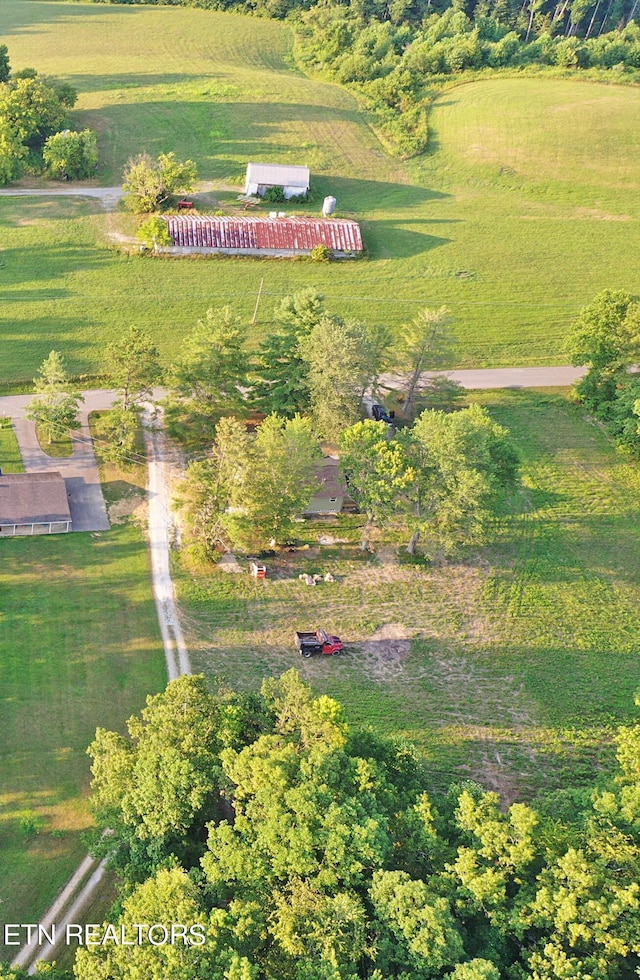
[(382, 656), (133, 506)]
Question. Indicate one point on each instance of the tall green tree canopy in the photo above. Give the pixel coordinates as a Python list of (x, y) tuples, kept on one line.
[(606, 334), (463, 461), (424, 345), (305, 849), (344, 359), (606, 337), (54, 407), (281, 374), (377, 470), (5, 66), (70, 154), (251, 487), (206, 378), (132, 365), (148, 183), (32, 111)]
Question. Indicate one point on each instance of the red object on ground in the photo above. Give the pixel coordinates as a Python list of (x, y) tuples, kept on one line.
[(185, 205), (318, 642)]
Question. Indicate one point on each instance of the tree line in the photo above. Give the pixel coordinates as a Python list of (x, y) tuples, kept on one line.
[(306, 849), (395, 62), (34, 133)]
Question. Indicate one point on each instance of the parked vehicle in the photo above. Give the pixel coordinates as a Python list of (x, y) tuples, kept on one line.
[(380, 414), (309, 644)]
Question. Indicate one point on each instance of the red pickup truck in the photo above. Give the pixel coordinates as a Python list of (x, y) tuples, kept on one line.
[(319, 641)]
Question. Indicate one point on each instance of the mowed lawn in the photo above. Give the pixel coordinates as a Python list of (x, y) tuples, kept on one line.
[(511, 665), (526, 204), (79, 648)]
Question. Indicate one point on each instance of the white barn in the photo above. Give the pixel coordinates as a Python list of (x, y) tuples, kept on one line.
[(261, 176)]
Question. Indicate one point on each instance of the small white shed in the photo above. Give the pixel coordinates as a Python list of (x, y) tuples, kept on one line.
[(261, 176)]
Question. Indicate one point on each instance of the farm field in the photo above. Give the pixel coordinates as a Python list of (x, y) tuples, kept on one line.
[(79, 647), (525, 206), (511, 665)]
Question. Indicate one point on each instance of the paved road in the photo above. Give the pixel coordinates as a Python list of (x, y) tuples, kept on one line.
[(515, 377)]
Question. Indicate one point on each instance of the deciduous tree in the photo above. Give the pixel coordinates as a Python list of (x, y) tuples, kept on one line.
[(425, 344), (377, 471), (207, 376), (279, 481), (156, 788), (149, 183), (154, 233), (602, 335), (33, 109), (213, 483), (463, 462), (119, 428), (54, 408), (132, 365), (71, 155), (12, 152), (281, 374), (5, 67), (344, 359)]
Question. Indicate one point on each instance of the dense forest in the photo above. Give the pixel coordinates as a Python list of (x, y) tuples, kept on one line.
[(303, 849)]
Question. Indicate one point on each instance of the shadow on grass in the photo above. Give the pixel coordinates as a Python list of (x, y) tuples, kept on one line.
[(384, 240), (16, 17), (24, 265)]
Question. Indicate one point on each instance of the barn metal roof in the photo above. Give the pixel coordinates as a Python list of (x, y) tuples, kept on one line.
[(284, 234), (279, 174)]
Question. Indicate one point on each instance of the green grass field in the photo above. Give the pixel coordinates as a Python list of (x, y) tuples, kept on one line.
[(79, 647), (511, 665), (525, 206), (10, 458)]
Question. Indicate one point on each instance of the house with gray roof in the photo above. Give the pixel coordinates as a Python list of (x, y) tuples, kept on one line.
[(33, 503)]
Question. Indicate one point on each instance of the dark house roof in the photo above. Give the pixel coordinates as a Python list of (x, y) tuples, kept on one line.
[(332, 487), (284, 234), (331, 482), (33, 498)]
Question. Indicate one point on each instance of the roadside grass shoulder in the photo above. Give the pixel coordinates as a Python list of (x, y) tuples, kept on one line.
[(512, 664), (79, 648)]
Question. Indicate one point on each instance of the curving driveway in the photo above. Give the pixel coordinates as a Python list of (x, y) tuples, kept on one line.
[(79, 471)]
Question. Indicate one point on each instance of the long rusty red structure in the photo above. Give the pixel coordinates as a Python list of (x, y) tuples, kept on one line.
[(252, 233)]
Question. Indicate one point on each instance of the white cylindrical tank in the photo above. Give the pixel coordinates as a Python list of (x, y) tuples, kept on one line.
[(329, 206)]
